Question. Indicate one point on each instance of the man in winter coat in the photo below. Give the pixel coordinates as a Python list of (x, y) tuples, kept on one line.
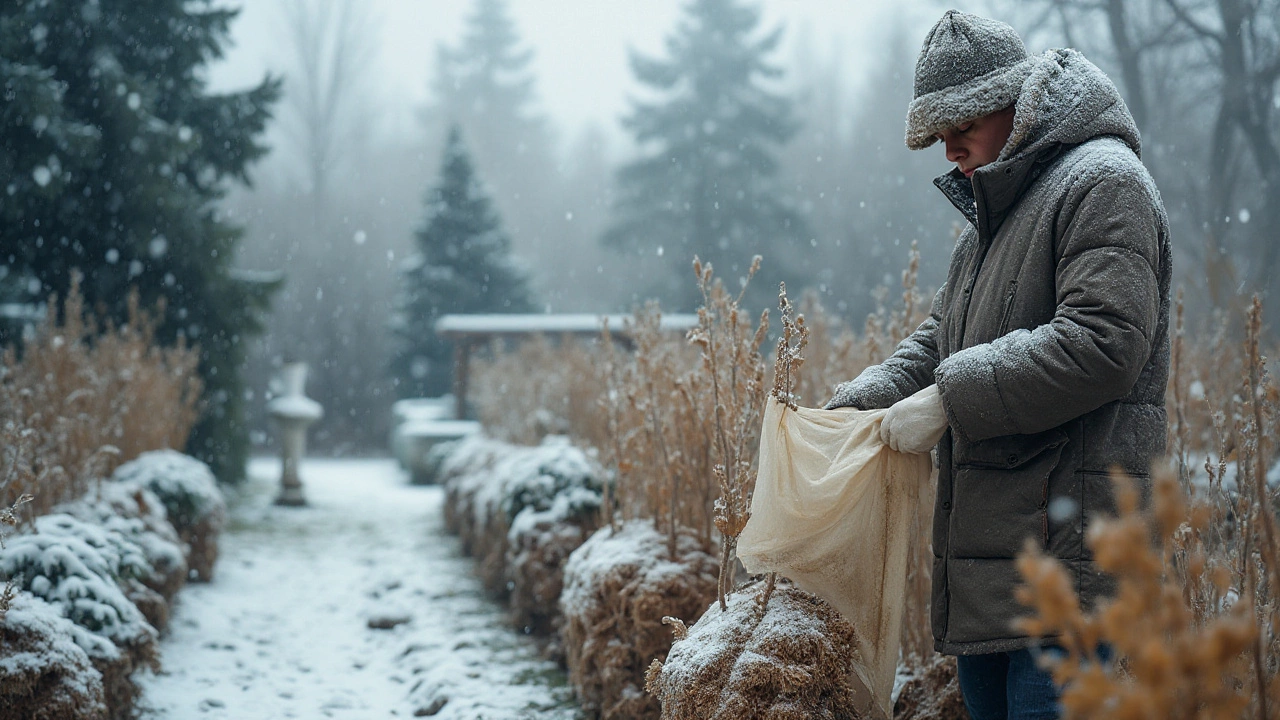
[(1043, 361)]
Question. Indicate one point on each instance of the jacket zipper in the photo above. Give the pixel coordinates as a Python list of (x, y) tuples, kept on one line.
[(1044, 498), (1044, 513), (1008, 308)]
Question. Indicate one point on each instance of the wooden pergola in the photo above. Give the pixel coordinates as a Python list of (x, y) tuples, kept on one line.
[(471, 331)]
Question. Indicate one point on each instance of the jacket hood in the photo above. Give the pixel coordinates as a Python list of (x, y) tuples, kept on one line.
[(1067, 100)]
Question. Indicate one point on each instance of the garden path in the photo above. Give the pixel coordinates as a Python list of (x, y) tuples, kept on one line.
[(284, 630)]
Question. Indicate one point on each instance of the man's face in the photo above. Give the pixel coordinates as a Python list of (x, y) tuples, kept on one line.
[(978, 142)]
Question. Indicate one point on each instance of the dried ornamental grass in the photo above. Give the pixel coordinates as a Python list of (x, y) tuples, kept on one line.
[(618, 586), (734, 368), (658, 415), (80, 399), (767, 654), (1173, 667), (562, 401)]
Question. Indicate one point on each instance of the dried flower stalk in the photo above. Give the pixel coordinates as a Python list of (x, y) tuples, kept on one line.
[(81, 399)]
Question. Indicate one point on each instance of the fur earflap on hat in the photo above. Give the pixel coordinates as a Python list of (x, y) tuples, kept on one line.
[(969, 66)]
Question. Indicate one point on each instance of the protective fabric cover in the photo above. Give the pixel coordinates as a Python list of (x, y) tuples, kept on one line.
[(833, 510)]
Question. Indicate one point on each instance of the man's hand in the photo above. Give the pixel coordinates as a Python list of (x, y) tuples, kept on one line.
[(915, 424)]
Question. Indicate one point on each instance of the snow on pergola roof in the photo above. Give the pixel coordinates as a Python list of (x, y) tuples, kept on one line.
[(534, 323)]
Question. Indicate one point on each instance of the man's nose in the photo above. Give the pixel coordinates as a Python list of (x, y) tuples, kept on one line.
[(955, 152)]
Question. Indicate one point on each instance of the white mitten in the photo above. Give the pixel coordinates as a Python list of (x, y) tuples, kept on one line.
[(915, 424)]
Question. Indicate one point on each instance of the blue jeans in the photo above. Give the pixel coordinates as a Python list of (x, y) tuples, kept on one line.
[(1008, 686)]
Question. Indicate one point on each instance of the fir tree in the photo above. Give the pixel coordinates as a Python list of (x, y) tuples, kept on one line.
[(463, 265), (115, 156), (707, 183), (486, 86)]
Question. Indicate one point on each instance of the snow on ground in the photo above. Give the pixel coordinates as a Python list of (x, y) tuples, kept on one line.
[(283, 630)]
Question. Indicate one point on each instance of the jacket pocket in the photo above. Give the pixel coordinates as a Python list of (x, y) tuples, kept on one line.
[(1007, 452), (1007, 313), (1000, 496)]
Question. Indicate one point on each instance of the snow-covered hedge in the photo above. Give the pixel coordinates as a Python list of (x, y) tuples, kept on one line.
[(539, 544), (493, 488), (137, 513), (97, 576), (191, 498), (521, 511), (464, 468), (617, 588), (82, 569), (45, 672), (789, 657)]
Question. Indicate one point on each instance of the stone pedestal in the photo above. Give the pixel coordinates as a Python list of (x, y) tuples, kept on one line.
[(293, 412)]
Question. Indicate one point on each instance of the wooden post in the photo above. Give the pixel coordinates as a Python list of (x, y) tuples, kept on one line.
[(461, 373)]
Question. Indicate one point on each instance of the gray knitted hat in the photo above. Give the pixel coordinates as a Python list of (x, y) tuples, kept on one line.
[(970, 66)]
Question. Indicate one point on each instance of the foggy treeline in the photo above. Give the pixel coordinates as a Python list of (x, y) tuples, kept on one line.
[(338, 212)]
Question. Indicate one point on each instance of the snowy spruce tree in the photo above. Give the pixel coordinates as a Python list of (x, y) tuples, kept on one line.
[(485, 85), (707, 182), (114, 156), (463, 265)]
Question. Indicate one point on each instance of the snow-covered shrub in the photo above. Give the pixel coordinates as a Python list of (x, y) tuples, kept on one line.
[(45, 673), (538, 546), (433, 462), (463, 471), (78, 566), (137, 513), (788, 658), (617, 588), (536, 478), (191, 499), (80, 569), (423, 446), (932, 692), (488, 484)]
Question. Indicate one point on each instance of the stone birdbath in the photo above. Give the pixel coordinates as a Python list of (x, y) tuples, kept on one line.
[(293, 412)]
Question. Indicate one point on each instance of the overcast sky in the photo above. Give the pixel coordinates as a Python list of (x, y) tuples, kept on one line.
[(580, 46)]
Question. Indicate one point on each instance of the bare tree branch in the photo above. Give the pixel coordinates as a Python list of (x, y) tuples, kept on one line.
[(1195, 25)]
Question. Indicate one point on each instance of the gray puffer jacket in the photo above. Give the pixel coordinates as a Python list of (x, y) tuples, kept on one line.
[(1049, 343)]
